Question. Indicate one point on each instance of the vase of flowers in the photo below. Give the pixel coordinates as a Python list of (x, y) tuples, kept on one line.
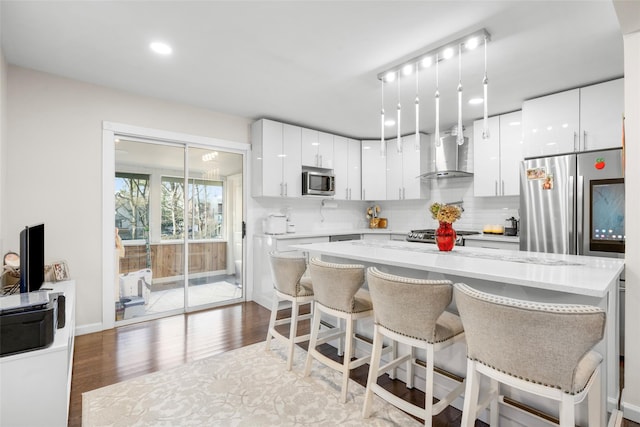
[(446, 215)]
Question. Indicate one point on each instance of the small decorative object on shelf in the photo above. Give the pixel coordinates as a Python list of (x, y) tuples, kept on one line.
[(374, 220), (446, 215)]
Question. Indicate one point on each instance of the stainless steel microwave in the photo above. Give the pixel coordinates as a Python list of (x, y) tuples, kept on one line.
[(318, 183)]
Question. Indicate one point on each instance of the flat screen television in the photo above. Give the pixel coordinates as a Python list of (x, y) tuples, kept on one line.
[(31, 258)]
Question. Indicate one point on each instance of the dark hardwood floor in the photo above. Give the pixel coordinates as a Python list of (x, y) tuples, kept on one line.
[(115, 355)]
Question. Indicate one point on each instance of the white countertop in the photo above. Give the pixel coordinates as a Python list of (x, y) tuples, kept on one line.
[(582, 275)]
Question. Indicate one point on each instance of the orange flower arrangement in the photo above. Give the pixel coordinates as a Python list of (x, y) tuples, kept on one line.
[(445, 213)]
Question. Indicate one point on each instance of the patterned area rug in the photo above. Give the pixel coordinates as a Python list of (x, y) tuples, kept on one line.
[(243, 387)]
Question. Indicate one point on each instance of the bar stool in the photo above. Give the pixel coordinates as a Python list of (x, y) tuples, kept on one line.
[(290, 284), (412, 312), (337, 293), (540, 348)]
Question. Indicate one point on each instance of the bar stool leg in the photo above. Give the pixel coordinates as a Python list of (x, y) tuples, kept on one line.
[(410, 367), (376, 353), (315, 327), (494, 408), (472, 389), (428, 392), (567, 411), (348, 350), (293, 332), (272, 320)]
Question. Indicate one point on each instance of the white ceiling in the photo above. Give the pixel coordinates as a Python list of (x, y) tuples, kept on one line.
[(314, 63)]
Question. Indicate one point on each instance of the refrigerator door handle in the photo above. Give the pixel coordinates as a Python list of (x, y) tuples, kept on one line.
[(580, 215), (572, 216)]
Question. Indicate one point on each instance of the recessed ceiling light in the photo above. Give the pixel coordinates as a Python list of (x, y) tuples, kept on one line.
[(390, 123), (475, 101), (161, 48), (390, 76), (407, 69), (448, 53)]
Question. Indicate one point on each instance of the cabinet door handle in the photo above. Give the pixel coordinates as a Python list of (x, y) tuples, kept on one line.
[(584, 140), (281, 190), (495, 189), (320, 156), (346, 193), (399, 193), (349, 194), (503, 187), (575, 137), (363, 195), (286, 189), (404, 196)]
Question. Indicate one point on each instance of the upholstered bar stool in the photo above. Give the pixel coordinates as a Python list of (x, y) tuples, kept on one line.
[(337, 293), (290, 284), (540, 348), (411, 311)]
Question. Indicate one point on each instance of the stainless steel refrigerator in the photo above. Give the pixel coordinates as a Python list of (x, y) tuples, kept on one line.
[(573, 204)]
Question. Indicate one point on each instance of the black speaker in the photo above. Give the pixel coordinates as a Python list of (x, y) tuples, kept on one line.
[(62, 303)]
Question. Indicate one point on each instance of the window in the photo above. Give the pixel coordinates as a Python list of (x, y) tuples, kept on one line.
[(132, 205), (205, 204)]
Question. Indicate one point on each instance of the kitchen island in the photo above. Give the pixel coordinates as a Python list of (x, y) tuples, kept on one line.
[(524, 275)]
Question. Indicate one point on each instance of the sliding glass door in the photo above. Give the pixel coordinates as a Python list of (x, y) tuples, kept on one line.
[(178, 214)]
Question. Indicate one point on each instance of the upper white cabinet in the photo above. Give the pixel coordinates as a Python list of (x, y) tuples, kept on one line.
[(374, 171), (347, 154), (496, 160), (551, 124), (601, 110), (276, 159), (317, 149), (582, 119), (403, 169)]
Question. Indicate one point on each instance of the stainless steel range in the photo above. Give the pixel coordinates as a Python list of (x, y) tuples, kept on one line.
[(429, 236)]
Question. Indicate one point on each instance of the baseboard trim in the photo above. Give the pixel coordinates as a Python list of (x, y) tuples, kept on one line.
[(88, 329), (630, 411)]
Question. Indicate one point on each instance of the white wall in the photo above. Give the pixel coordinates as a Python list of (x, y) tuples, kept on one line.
[(631, 395), (3, 139), (54, 167)]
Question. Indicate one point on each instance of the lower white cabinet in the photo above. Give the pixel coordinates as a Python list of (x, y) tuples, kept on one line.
[(492, 244), (262, 291), (36, 385)]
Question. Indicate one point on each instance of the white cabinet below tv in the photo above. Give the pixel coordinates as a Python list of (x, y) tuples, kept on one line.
[(36, 385)]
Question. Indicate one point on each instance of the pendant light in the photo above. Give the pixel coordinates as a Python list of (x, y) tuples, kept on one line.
[(485, 83), (399, 138), (460, 137), (417, 144), (383, 146), (436, 135)]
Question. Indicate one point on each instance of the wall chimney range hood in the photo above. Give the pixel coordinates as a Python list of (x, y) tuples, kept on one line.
[(450, 160)]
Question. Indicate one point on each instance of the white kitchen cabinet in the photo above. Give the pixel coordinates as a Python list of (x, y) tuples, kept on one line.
[(317, 149), (601, 110), (347, 155), (492, 244), (588, 118), (551, 124), (276, 153), (374, 171), (262, 290), (496, 160), (403, 168)]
